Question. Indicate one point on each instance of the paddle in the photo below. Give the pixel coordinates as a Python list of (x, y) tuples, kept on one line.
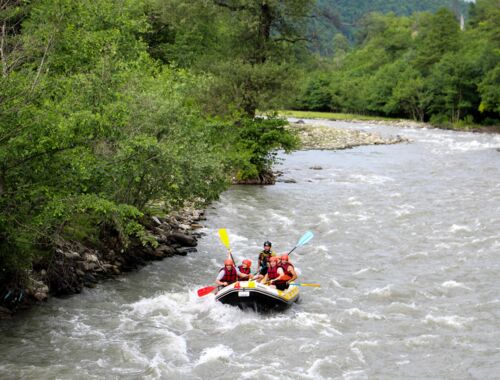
[(303, 240), (302, 284), (225, 240), (207, 290)]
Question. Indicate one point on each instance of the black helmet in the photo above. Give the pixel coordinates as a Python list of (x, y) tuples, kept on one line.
[(268, 243)]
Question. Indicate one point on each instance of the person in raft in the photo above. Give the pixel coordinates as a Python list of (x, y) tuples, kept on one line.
[(289, 272), (244, 270), (229, 274), (263, 261), (279, 275)]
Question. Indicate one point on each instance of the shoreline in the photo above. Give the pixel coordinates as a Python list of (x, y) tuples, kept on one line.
[(75, 266), (404, 123)]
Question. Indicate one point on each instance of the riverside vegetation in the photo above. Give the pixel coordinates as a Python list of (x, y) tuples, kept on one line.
[(423, 66), (117, 115)]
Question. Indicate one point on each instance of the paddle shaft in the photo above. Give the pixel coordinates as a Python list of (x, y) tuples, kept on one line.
[(303, 284)]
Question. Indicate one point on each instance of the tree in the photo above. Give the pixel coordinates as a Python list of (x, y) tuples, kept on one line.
[(264, 35), (437, 34)]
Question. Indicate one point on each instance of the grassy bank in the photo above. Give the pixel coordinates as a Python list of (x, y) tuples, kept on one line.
[(330, 115), (459, 126)]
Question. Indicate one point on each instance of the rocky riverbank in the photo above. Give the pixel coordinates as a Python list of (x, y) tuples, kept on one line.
[(328, 138), (74, 266)]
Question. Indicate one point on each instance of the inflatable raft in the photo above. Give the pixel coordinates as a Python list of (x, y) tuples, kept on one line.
[(257, 296)]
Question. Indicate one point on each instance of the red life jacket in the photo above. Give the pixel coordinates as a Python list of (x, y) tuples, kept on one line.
[(272, 272), (244, 270), (281, 283), (229, 276), (285, 267)]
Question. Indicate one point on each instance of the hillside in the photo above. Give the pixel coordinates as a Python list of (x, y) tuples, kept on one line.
[(346, 17)]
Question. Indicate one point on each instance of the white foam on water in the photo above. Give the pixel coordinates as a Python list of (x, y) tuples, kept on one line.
[(447, 320), (284, 220), (358, 354), (370, 179), (344, 299), (357, 374), (454, 143), (385, 292), (355, 312), (421, 340), (365, 270), (219, 352), (224, 318), (253, 374), (442, 245), (402, 362), (263, 347), (102, 363), (180, 307), (320, 366), (465, 146), (319, 322), (402, 308), (416, 255), (353, 201), (457, 228), (403, 210), (335, 283), (454, 284), (308, 348), (362, 217), (324, 218), (364, 343)]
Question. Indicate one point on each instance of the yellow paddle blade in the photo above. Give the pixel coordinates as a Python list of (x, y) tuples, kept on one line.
[(303, 284), (224, 238)]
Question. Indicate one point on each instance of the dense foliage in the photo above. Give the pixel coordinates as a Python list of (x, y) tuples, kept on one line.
[(421, 66), (109, 106)]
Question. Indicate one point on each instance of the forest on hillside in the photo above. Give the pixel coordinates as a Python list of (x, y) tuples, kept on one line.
[(348, 17), (421, 66), (113, 110)]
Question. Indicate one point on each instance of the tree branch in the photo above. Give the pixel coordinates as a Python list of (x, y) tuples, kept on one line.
[(291, 40), (40, 67), (3, 57), (223, 3)]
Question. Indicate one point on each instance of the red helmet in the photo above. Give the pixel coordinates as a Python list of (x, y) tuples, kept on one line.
[(228, 262), (273, 258), (284, 257), (247, 262)]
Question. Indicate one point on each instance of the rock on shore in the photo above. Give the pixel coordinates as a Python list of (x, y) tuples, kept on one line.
[(329, 138), (74, 266)]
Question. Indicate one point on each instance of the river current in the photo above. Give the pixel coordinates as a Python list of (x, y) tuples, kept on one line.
[(406, 248)]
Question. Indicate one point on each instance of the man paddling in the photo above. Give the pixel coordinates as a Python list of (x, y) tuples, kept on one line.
[(289, 275), (244, 270), (263, 262)]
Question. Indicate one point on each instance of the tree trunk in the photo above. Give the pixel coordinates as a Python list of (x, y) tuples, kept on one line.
[(266, 19)]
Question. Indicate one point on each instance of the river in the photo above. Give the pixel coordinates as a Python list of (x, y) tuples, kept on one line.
[(406, 249)]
